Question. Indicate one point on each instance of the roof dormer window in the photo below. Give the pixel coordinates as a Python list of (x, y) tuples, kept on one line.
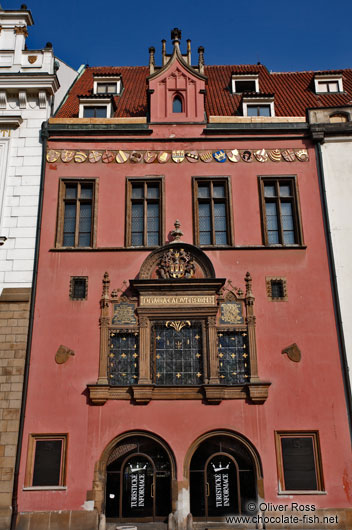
[(326, 84), (96, 106), (258, 106), (242, 83), (107, 84)]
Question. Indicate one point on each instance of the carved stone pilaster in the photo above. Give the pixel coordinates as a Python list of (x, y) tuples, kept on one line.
[(144, 351), (104, 323), (213, 351), (250, 321), (3, 99), (42, 99)]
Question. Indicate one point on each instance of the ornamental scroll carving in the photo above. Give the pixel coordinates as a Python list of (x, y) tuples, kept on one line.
[(175, 264)]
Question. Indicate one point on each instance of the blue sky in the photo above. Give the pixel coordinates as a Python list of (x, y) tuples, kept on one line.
[(283, 35)]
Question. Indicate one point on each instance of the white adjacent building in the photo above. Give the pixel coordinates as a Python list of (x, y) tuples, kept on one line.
[(331, 127), (32, 85)]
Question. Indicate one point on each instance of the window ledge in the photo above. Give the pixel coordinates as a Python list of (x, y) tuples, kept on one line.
[(256, 392), (45, 488), (302, 492), (203, 247)]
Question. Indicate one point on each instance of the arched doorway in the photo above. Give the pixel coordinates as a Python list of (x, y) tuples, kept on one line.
[(138, 480), (224, 474)]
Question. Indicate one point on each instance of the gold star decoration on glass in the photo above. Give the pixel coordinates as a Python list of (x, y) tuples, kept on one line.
[(135, 355), (197, 337), (158, 375), (199, 374), (221, 355), (198, 355), (123, 355), (245, 355), (178, 375), (158, 337), (233, 355)]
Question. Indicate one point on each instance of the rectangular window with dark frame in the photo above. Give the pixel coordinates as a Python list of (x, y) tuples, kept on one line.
[(46, 460), (144, 228), (212, 212), (76, 214), (98, 111), (78, 287), (299, 461), (281, 224)]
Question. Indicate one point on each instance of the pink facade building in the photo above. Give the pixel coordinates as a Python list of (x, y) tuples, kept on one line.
[(185, 362)]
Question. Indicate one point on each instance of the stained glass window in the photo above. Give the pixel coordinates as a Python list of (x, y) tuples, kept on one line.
[(233, 357), (177, 353), (123, 358)]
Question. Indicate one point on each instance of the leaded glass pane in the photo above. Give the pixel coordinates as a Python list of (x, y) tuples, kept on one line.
[(71, 191), (137, 225), (269, 190), (137, 191), (153, 191), (123, 358), (137, 239), (285, 190), (86, 191), (218, 191), (233, 357), (203, 191), (85, 225), (69, 225), (177, 347)]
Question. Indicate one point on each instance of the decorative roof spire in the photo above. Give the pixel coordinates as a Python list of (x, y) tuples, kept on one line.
[(175, 35), (177, 233)]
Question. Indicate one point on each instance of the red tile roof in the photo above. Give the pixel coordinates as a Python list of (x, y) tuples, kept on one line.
[(293, 91)]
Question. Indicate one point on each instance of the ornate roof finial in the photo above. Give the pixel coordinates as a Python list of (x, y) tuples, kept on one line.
[(177, 233), (175, 35)]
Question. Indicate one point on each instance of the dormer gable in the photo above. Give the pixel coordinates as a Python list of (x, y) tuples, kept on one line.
[(177, 88)]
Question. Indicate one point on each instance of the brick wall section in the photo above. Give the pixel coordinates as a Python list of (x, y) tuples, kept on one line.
[(14, 318)]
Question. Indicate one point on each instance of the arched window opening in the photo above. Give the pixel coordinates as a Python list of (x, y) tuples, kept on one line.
[(177, 104)]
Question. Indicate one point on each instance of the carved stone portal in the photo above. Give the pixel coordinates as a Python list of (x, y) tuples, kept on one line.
[(176, 264)]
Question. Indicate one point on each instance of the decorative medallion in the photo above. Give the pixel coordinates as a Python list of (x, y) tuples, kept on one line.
[(178, 324), (67, 156), (108, 157), (52, 155), (231, 313), (176, 263), (275, 155), (293, 353), (163, 157), (80, 157), (94, 156), (32, 58), (124, 314), (206, 156), (178, 156), (247, 156), (150, 156), (192, 156), (288, 155), (261, 155), (302, 155), (121, 157), (136, 157), (220, 156), (234, 155)]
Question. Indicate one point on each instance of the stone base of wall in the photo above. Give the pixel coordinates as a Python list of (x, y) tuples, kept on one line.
[(70, 520), (14, 318)]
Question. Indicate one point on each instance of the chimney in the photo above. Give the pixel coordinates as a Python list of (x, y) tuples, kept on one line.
[(201, 60), (189, 60), (151, 60)]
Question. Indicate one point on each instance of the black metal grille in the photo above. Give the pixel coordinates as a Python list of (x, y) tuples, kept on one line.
[(233, 357), (123, 358), (177, 353)]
